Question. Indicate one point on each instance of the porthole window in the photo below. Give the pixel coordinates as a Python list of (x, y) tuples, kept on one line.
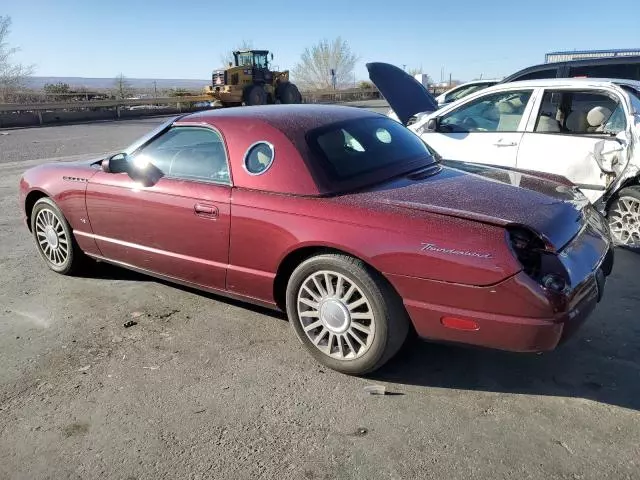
[(383, 135), (258, 158)]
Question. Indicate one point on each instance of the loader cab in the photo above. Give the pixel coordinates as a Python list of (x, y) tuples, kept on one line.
[(257, 61)]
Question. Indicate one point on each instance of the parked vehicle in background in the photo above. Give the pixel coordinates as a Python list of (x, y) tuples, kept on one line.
[(460, 91), (570, 55), (342, 218), (586, 130), (626, 67), (250, 80), (450, 96)]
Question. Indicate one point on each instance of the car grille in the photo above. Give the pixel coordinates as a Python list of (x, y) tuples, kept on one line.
[(218, 78)]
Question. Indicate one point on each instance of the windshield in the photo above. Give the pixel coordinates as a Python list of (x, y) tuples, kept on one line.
[(634, 95), (370, 146), (463, 92), (244, 58), (261, 60)]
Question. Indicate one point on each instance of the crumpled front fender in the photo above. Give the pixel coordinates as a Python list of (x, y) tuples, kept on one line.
[(630, 172)]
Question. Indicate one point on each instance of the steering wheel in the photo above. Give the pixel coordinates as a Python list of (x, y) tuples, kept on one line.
[(469, 123)]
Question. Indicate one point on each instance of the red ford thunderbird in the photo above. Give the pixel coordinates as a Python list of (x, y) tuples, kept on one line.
[(340, 217)]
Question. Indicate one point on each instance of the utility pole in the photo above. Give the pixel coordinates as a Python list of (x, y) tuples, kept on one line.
[(449, 78), (155, 91)]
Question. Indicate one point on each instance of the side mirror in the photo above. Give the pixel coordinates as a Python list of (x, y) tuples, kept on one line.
[(272, 56), (117, 163), (139, 170), (433, 124)]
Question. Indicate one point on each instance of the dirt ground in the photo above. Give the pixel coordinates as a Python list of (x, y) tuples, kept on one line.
[(203, 387)]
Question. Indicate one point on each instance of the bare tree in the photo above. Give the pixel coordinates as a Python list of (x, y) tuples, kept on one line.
[(57, 91), (315, 66), (227, 57), (12, 75), (122, 87)]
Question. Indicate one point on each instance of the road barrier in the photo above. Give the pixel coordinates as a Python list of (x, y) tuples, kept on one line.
[(36, 113)]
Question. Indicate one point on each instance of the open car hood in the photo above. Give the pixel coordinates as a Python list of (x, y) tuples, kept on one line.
[(406, 96)]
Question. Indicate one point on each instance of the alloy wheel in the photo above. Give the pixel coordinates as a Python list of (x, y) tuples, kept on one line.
[(336, 315), (624, 221), (51, 237)]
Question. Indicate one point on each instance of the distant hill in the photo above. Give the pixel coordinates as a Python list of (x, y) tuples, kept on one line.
[(38, 83)]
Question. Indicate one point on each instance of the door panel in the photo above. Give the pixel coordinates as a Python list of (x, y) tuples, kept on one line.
[(571, 156), (177, 228), (485, 129), (573, 134), (494, 148)]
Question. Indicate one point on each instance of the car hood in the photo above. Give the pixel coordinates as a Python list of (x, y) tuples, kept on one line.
[(406, 96), (489, 195)]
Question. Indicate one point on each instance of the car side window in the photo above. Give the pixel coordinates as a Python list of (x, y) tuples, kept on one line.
[(189, 153), (496, 112), (580, 113), (612, 70)]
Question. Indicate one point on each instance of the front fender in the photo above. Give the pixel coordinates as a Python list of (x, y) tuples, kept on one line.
[(65, 184)]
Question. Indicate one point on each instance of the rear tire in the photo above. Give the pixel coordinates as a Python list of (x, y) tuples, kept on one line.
[(288, 93), (347, 315), (54, 239), (255, 95), (623, 215)]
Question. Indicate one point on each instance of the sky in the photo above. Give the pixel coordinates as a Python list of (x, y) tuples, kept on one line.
[(185, 39)]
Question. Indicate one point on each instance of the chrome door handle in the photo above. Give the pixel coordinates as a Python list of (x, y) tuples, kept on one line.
[(205, 210), (505, 144)]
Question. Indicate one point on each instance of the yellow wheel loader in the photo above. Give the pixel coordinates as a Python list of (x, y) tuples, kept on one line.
[(252, 82)]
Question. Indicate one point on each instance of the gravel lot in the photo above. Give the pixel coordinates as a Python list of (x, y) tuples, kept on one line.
[(208, 388)]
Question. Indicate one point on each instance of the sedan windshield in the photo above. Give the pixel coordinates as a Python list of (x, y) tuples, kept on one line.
[(369, 146), (634, 95)]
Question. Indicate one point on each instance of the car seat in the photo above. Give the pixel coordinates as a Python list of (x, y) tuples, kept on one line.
[(509, 118), (597, 118), (577, 122), (547, 124)]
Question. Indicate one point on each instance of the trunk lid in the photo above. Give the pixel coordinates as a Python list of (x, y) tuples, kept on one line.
[(406, 96), (489, 195)]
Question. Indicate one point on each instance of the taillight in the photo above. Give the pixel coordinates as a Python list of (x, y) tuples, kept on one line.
[(538, 261), (528, 248)]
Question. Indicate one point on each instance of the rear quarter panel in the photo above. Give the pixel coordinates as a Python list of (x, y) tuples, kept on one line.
[(265, 228)]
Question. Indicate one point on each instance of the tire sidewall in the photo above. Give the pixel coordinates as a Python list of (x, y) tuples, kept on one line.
[(288, 93), (362, 278), (47, 204), (255, 92)]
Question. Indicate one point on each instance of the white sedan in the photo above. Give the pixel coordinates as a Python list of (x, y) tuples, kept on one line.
[(461, 91), (586, 130)]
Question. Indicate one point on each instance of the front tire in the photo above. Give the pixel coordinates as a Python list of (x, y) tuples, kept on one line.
[(255, 95), (288, 93), (347, 315), (54, 239), (624, 217)]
